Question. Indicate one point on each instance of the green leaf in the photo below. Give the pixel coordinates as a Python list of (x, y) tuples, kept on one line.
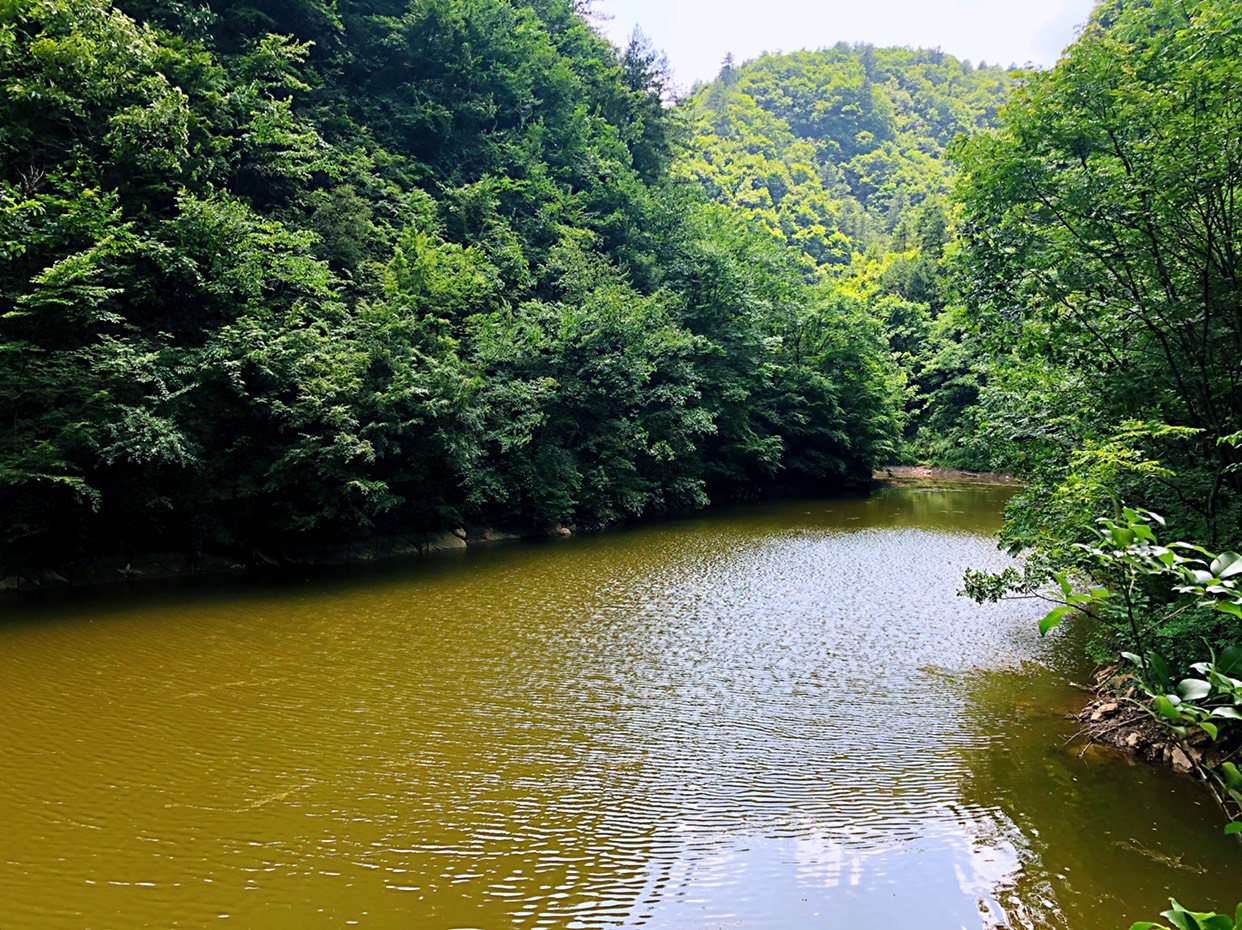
[(1063, 582), (1210, 729), (1229, 713), (1226, 565), (1181, 921), (1193, 689), (1232, 608), (1233, 778), (1232, 829), (1230, 661), (1180, 917), (1053, 619), (1166, 708), (1158, 667)]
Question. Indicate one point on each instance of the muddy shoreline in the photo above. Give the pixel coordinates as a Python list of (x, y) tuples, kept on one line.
[(912, 474)]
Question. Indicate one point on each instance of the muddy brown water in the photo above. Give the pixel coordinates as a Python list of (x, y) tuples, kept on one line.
[(768, 717)]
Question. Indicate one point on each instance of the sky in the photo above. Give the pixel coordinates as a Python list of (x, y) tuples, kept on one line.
[(696, 34)]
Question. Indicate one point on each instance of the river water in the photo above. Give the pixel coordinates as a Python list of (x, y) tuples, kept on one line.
[(768, 717)]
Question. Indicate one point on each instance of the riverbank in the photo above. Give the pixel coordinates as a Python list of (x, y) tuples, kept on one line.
[(912, 474), (120, 569), (1118, 717), (96, 571)]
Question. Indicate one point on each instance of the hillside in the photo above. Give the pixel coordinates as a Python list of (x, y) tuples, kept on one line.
[(283, 272), (841, 154)]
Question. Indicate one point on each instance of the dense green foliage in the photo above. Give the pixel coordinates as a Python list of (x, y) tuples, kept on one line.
[(1101, 237), (1183, 919), (840, 154), (276, 272)]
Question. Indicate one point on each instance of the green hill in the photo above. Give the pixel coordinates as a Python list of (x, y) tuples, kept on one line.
[(281, 272), (840, 153)]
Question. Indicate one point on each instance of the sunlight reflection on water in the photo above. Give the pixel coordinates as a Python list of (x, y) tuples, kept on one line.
[(770, 717)]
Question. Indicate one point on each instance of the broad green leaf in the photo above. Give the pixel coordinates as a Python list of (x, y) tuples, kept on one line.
[(1229, 662), (1158, 667), (1193, 689), (1053, 619), (1166, 708), (1180, 917), (1232, 829), (1063, 583), (1233, 778), (1226, 565)]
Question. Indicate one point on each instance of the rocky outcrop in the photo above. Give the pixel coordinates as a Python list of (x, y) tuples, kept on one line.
[(1118, 717)]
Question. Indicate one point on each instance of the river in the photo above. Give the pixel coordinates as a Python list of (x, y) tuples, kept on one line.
[(776, 716)]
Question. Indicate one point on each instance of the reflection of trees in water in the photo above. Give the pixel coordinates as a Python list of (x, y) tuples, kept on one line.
[(967, 509), (1095, 832)]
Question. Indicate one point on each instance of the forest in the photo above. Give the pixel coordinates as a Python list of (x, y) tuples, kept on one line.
[(275, 274), (283, 272), (279, 274)]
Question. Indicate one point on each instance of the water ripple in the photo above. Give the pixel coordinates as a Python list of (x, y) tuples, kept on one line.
[(775, 719)]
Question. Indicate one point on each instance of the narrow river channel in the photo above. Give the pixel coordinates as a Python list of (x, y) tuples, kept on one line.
[(769, 717)]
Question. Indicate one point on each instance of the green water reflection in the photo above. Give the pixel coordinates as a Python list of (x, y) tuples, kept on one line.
[(767, 717)]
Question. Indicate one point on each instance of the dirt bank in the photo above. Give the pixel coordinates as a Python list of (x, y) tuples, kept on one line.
[(901, 474), (1117, 717)]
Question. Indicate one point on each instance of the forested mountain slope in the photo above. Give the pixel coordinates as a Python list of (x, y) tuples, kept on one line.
[(275, 272), (841, 154)]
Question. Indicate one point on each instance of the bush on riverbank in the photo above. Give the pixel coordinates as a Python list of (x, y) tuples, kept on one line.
[(1098, 234), (1183, 919)]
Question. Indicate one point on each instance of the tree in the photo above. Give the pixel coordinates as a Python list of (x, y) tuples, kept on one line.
[(1101, 241)]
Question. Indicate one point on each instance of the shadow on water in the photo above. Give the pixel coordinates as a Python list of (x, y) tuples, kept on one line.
[(774, 716), (1079, 816)]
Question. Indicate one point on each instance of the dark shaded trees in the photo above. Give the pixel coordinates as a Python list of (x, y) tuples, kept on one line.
[(282, 272)]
